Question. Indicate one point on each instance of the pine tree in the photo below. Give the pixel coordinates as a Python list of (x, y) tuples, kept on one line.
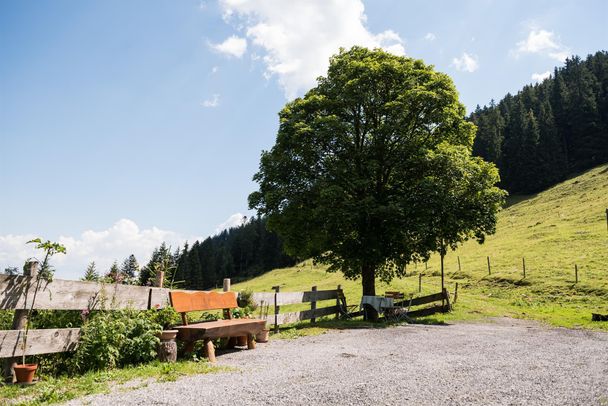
[(130, 268), (91, 273), (114, 275)]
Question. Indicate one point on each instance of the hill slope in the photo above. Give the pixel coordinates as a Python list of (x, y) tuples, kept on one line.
[(553, 230)]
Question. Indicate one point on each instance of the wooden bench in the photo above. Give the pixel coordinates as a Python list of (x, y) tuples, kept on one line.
[(229, 328)]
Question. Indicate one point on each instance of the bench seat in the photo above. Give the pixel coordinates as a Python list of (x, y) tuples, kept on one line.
[(220, 329)]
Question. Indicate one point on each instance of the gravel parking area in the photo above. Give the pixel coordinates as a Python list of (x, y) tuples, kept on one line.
[(499, 362)]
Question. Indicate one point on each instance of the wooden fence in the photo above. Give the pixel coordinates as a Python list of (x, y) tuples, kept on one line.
[(277, 299), (16, 293)]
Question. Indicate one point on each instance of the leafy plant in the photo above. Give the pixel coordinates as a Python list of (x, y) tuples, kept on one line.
[(45, 273), (111, 339), (246, 304)]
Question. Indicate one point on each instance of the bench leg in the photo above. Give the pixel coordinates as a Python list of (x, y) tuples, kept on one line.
[(250, 342), (209, 350), (231, 343)]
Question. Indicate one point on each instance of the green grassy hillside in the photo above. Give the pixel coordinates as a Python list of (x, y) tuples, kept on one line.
[(553, 230)]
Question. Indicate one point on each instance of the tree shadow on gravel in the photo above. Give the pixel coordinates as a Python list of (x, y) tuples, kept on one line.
[(320, 327)]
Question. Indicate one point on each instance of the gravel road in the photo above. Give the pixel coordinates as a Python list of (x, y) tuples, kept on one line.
[(500, 362)]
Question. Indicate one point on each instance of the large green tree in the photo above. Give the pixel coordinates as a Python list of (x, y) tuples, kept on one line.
[(343, 182)]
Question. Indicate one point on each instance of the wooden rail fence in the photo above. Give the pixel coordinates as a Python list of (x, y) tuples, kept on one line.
[(66, 295), (278, 299)]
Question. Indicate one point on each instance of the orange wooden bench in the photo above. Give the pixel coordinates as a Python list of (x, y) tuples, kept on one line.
[(184, 302)]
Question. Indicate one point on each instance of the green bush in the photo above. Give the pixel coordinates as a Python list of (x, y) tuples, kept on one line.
[(6, 319), (116, 339)]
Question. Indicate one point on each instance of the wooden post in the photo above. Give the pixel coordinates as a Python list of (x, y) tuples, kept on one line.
[(419, 282), (226, 288), (606, 219), (455, 294), (276, 308), (426, 266), (459, 269), (160, 279), (19, 322), (523, 262), (489, 268), (576, 273), (313, 304), (445, 302)]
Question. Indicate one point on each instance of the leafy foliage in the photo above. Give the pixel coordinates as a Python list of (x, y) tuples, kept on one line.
[(346, 180), (111, 339)]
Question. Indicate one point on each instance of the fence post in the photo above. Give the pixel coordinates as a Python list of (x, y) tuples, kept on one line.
[(523, 262), (419, 282), (226, 285), (576, 273), (313, 304), (489, 268), (160, 279), (459, 269), (276, 308), (455, 294), (19, 321)]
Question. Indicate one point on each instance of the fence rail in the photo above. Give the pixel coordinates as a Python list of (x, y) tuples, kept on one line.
[(16, 292)]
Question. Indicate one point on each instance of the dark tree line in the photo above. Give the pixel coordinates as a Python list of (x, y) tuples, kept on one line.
[(237, 253), (549, 130)]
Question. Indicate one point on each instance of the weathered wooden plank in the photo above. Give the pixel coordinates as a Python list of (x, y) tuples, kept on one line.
[(45, 341), (417, 301), (266, 298), (76, 295), (293, 317), (287, 298)]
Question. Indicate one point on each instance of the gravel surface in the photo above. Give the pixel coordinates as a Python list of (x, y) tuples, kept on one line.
[(501, 362)]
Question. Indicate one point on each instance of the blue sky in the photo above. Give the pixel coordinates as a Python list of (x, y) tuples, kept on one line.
[(126, 123)]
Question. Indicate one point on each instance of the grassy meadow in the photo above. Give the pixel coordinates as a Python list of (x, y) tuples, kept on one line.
[(554, 230)]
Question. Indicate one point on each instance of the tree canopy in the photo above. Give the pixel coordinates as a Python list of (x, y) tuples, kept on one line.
[(350, 178)]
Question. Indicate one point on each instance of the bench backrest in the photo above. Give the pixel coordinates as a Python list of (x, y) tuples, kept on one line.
[(184, 302), (395, 295)]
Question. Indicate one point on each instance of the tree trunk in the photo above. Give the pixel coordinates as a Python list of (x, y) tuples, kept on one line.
[(442, 282), (442, 255), (368, 277)]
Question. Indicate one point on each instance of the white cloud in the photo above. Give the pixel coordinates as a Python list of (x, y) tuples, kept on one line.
[(234, 220), (104, 247), (430, 36), (542, 42), (466, 63), (215, 70), (232, 46), (212, 102), (539, 77), (296, 38)]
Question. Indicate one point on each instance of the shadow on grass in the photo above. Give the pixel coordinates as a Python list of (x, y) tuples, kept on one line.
[(307, 328)]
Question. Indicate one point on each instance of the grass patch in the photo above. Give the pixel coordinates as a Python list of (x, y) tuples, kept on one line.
[(61, 389)]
